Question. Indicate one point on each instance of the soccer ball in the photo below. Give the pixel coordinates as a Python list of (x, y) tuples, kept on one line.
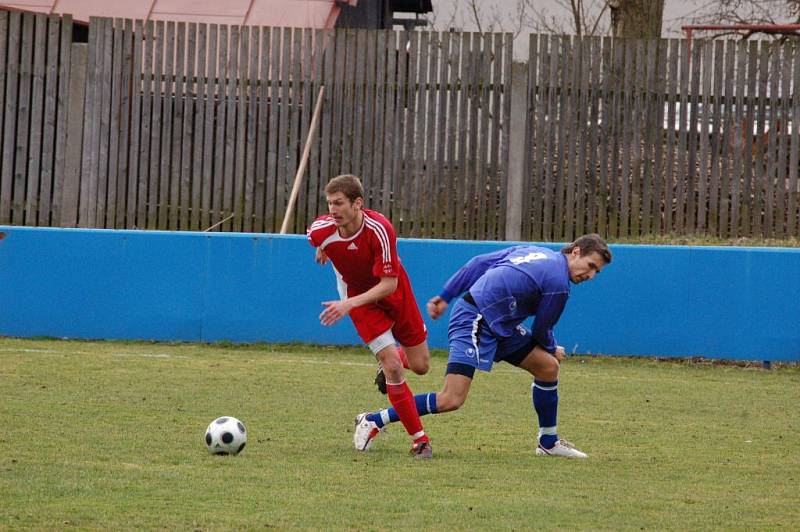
[(226, 435)]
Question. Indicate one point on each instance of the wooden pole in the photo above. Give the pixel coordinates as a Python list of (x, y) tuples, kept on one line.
[(298, 177)]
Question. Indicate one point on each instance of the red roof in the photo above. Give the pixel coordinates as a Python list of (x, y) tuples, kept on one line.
[(287, 13)]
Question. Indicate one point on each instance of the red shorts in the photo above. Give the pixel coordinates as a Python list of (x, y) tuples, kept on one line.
[(398, 312)]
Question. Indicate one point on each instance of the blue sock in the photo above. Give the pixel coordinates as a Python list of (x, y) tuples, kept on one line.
[(545, 402), (426, 404)]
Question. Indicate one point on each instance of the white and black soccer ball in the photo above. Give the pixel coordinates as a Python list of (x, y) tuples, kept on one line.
[(226, 435)]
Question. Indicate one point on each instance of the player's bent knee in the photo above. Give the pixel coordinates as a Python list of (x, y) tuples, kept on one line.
[(420, 367), (446, 402)]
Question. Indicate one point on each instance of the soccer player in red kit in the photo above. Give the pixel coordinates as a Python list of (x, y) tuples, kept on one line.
[(376, 292)]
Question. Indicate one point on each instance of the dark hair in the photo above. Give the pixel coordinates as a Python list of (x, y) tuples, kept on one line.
[(588, 244), (347, 184)]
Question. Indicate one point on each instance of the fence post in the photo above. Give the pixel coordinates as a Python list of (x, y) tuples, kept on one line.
[(516, 149), (74, 143)]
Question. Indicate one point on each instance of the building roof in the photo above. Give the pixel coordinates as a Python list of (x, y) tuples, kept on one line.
[(286, 13)]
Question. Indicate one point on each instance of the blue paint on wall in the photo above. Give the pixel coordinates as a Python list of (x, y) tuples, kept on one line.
[(716, 302)]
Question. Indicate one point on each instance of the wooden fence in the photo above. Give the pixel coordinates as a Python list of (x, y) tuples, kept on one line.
[(632, 137), (191, 124), (182, 126)]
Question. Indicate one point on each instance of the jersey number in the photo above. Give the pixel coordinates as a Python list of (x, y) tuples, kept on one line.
[(530, 257)]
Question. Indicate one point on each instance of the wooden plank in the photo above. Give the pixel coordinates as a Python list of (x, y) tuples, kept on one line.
[(294, 145), (195, 177), (682, 137), (486, 188), (271, 216), (34, 156), (229, 141), (531, 219), (337, 103), (704, 118), (397, 180), (794, 154), (177, 77), (505, 140), (390, 134), (347, 69), (540, 84), (657, 136), (303, 93), (376, 181), (5, 172), (240, 135), (218, 157), (501, 94), (572, 115), (748, 129), (421, 148), (370, 139), (252, 122), (606, 115), (437, 184), (782, 132), (736, 142), (166, 82), (91, 110), (716, 108), (50, 119), (460, 163), (547, 117), (758, 220), (188, 99), (261, 147), (652, 125), (772, 134), (359, 58), (114, 194), (559, 114), (453, 89), (432, 114), (125, 180), (583, 133), (240, 129), (23, 120), (105, 123), (143, 155), (207, 217), (284, 103), (315, 188), (595, 88), (698, 48), (153, 184), (728, 125), (66, 73), (632, 73), (407, 176), (670, 171)]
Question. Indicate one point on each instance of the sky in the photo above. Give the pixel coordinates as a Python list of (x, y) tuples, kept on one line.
[(455, 13)]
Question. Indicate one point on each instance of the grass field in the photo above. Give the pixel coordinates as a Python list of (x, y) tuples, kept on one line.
[(104, 435)]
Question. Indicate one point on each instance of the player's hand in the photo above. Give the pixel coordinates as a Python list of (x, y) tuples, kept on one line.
[(321, 257), (334, 311), (436, 307), (560, 353)]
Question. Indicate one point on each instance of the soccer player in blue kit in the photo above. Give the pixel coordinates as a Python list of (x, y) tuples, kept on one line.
[(500, 290)]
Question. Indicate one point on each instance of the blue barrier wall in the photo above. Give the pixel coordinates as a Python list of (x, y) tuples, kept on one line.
[(716, 302)]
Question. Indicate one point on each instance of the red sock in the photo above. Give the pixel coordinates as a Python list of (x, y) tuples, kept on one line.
[(403, 357), (403, 402)]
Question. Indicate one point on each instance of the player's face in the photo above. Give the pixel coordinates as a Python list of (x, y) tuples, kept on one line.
[(584, 268), (343, 211)]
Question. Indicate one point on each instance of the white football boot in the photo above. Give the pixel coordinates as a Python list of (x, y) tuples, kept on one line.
[(366, 431), (561, 448)]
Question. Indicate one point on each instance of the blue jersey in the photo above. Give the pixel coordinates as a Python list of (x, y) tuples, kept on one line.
[(513, 284)]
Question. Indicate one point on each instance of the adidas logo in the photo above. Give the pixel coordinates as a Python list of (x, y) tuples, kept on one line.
[(352, 246)]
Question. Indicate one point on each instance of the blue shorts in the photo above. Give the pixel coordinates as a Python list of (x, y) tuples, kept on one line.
[(473, 344)]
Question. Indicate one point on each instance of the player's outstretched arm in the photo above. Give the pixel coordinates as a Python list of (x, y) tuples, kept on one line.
[(436, 307)]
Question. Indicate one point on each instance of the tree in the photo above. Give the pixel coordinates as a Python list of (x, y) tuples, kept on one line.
[(636, 18)]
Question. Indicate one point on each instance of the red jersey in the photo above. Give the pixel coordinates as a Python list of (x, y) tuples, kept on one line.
[(361, 261), (363, 258)]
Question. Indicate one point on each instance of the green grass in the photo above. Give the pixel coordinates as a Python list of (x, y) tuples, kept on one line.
[(104, 435)]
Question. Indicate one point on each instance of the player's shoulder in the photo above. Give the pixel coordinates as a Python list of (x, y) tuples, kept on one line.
[(321, 223), (377, 222)]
